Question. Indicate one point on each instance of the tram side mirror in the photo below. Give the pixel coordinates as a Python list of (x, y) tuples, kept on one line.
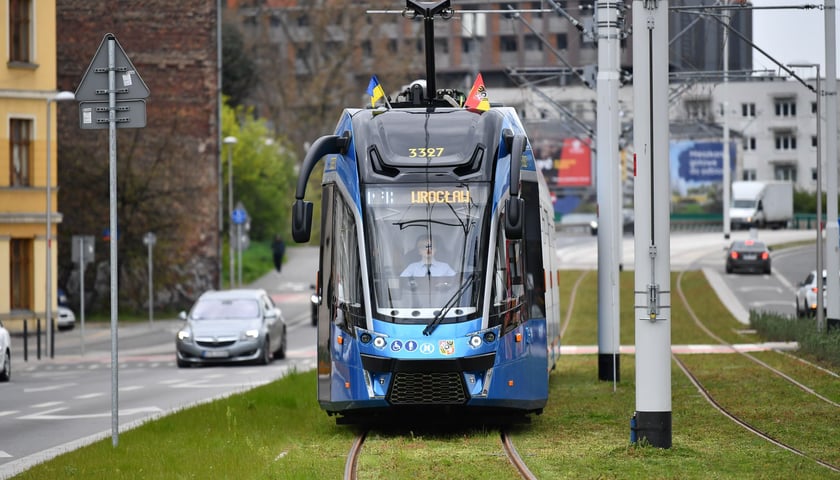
[(514, 225), (301, 221)]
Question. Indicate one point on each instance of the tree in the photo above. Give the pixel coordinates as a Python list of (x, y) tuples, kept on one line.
[(264, 175)]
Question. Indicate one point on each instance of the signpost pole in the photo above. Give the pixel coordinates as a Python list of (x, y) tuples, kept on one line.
[(82, 291)]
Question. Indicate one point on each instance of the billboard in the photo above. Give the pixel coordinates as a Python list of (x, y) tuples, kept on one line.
[(574, 167), (697, 174)]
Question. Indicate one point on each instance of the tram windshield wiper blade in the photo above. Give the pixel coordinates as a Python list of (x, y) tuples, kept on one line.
[(448, 306)]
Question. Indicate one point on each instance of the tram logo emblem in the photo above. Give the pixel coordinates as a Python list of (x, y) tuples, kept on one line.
[(446, 347), (396, 346), (427, 348), (411, 345)]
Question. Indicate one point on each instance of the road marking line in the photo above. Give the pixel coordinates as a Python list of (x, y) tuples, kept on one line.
[(48, 404), (4, 454), (89, 395), (49, 388), (8, 412)]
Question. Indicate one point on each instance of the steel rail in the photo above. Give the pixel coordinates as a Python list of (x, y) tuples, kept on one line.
[(776, 371), (514, 458), (352, 462)]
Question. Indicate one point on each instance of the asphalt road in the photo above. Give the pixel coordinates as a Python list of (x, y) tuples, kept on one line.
[(53, 405)]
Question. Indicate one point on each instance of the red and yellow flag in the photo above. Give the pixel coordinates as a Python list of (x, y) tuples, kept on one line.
[(477, 98)]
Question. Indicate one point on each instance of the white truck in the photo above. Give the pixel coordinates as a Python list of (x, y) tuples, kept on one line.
[(761, 204)]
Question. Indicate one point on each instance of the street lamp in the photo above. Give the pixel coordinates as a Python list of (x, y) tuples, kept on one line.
[(230, 142), (58, 97), (820, 286)]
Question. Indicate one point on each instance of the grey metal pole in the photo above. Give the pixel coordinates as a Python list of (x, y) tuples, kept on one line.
[(151, 286), (727, 161), (652, 296), (112, 155), (48, 298), (82, 291), (820, 245), (832, 233), (609, 192), (219, 138), (230, 142), (239, 254)]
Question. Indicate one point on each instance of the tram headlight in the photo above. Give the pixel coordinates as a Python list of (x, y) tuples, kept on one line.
[(475, 341), (365, 337), (490, 336), (379, 342)]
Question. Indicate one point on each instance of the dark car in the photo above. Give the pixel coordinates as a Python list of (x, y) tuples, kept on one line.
[(748, 255), (231, 326)]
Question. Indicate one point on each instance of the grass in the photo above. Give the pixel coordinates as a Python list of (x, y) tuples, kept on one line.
[(277, 431)]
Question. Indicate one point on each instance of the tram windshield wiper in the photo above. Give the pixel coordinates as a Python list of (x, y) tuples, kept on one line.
[(448, 306)]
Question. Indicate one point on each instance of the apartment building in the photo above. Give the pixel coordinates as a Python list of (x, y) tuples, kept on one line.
[(27, 82)]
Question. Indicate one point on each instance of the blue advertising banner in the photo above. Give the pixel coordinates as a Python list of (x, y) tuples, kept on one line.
[(697, 164)]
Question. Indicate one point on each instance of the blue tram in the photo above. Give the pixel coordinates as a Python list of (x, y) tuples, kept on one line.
[(437, 276)]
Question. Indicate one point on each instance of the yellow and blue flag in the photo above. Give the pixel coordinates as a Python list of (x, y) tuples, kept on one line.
[(375, 91)]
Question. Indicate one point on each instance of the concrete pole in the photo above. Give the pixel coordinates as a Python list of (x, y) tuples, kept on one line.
[(832, 255), (652, 293), (727, 161), (609, 190)]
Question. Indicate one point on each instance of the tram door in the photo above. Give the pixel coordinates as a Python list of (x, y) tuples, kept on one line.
[(324, 309)]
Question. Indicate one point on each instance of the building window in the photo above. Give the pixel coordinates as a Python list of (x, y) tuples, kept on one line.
[(814, 108), (533, 43), (748, 110), (814, 174), (748, 175), (562, 41), (814, 141), (697, 109), (507, 43), (20, 151), (21, 272), (20, 31), (785, 141), (441, 45), (785, 172), (749, 143), (785, 107)]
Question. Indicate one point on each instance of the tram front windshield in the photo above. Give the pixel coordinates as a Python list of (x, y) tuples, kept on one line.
[(425, 251)]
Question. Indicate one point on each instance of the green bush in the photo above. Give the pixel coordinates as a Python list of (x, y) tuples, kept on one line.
[(784, 328)]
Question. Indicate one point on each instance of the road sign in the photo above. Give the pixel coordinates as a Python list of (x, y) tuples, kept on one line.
[(82, 247), (94, 84), (149, 239), (129, 114), (239, 216)]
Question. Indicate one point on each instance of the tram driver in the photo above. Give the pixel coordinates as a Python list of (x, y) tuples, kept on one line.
[(427, 265)]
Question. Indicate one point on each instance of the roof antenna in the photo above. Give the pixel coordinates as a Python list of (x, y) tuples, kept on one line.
[(428, 10)]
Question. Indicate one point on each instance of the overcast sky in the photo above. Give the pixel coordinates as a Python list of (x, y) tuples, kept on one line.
[(790, 35)]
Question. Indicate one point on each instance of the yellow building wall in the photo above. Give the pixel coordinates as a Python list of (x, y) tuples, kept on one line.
[(24, 91)]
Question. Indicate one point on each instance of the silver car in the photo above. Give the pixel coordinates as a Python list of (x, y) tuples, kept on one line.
[(806, 295), (5, 354), (231, 326)]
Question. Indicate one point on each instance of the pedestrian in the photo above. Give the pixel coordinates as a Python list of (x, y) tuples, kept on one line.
[(278, 248)]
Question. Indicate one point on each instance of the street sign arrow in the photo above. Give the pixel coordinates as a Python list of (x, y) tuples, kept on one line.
[(94, 84)]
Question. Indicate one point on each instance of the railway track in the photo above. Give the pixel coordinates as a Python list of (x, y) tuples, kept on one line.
[(728, 412), (352, 463)]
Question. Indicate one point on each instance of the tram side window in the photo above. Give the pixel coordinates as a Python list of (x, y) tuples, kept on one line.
[(347, 274), (507, 288)]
